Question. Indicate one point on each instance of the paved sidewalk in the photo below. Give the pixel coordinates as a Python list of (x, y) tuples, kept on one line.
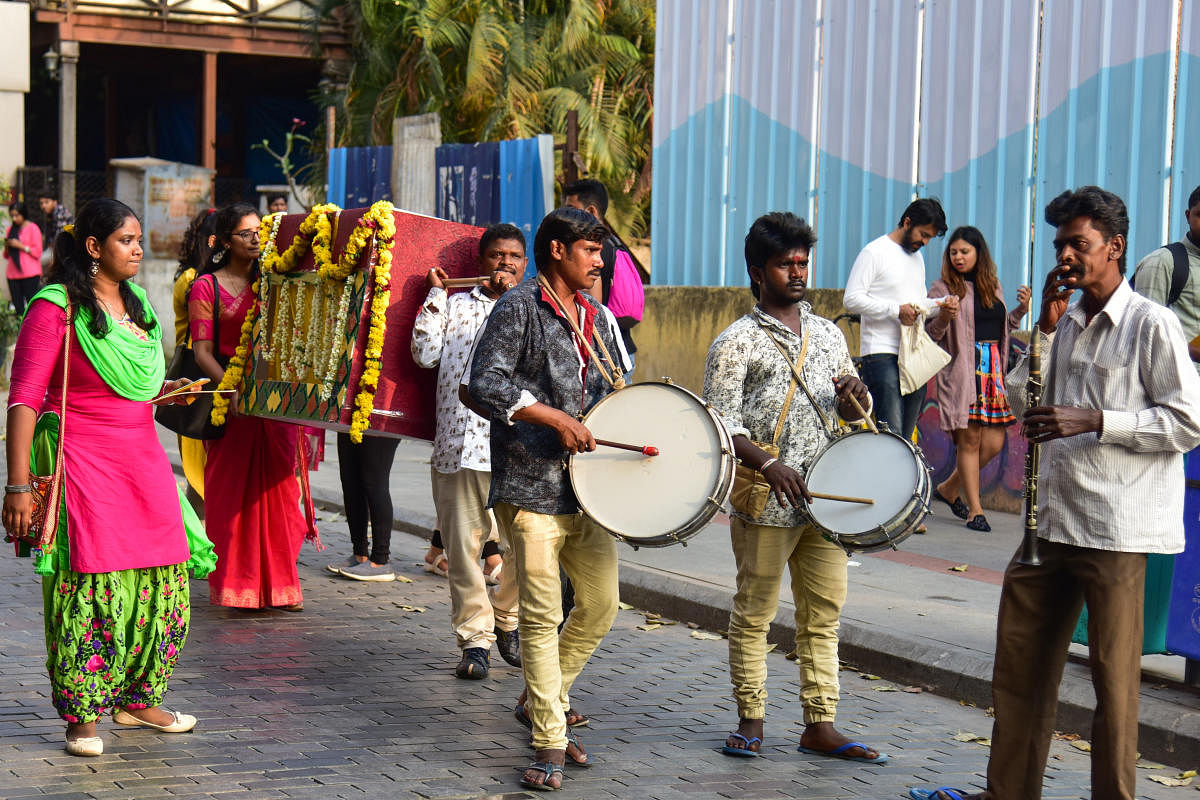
[(909, 617), (355, 698)]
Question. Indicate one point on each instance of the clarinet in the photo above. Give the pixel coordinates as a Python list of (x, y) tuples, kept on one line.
[(1033, 391)]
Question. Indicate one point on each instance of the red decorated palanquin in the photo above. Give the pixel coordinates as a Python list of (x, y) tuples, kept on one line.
[(310, 341)]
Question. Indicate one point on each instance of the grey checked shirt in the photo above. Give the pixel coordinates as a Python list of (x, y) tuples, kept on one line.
[(1121, 489), (746, 382)]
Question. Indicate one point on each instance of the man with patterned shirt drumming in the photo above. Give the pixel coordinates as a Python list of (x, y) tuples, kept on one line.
[(746, 379), (541, 363), (1120, 405), (443, 334)]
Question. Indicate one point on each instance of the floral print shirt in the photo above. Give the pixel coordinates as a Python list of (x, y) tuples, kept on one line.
[(746, 382), (443, 335), (527, 354)]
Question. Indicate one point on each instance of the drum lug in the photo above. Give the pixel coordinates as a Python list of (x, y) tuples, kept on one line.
[(715, 502), (667, 380)]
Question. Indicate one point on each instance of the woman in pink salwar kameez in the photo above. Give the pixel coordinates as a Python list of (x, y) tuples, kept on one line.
[(251, 496)]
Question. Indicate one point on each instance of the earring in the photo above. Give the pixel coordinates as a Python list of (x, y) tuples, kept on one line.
[(95, 268), (218, 256)]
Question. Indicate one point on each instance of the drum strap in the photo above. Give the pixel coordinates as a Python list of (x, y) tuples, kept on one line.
[(791, 393), (612, 375), (797, 377)]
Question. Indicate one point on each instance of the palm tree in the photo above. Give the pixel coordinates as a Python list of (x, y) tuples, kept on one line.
[(498, 69)]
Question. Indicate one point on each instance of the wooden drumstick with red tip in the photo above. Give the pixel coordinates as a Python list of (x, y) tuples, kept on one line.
[(646, 450)]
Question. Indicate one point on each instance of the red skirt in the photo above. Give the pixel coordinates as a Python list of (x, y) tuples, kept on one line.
[(991, 398)]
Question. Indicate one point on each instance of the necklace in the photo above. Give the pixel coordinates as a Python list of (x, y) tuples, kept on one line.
[(109, 309)]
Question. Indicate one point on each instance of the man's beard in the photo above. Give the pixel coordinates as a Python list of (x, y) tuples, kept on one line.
[(909, 242)]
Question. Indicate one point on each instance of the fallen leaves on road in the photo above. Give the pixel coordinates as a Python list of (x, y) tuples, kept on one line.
[(913, 689), (959, 568), (411, 609), (1065, 737), (866, 676), (625, 606), (972, 738), (705, 635), (403, 579), (1180, 780), (886, 689), (1150, 765), (692, 626), (1083, 745)]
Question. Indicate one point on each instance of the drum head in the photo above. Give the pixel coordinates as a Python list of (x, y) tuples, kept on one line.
[(881, 467), (642, 497)]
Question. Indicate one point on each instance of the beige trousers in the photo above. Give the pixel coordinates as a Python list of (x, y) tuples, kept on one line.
[(461, 501), (818, 572), (552, 660)]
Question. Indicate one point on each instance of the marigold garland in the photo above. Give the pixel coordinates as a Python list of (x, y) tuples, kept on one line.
[(233, 372), (380, 221), (315, 233)]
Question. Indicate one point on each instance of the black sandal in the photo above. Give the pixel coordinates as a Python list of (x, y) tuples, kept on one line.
[(572, 739), (979, 523), (550, 768), (958, 507)]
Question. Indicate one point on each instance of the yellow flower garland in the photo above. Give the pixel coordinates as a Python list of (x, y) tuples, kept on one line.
[(316, 233), (233, 372), (379, 220)]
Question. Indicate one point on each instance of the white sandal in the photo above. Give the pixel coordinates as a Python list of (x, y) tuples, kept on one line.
[(182, 724), (86, 746), (493, 578), (436, 567)]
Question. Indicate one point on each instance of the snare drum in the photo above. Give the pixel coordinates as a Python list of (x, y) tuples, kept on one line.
[(884, 467), (654, 501)]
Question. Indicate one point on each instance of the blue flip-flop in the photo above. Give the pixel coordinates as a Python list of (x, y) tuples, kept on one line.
[(932, 794), (742, 752), (841, 752)]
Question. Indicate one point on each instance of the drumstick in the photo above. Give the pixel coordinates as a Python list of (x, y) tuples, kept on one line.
[(866, 501), (866, 418), (646, 451), (465, 283)]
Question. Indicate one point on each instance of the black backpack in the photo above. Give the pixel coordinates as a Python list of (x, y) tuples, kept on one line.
[(1179, 274)]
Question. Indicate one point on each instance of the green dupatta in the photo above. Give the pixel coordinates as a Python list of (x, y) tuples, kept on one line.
[(134, 369)]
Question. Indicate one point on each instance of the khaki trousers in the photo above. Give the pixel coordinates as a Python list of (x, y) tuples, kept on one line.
[(1038, 610), (552, 661), (818, 571), (461, 501)]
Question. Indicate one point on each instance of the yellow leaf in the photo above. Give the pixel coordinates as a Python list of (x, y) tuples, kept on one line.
[(959, 568), (1150, 765), (1166, 780), (770, 647), (414, 609), (1083, 745), (705, 635), (651, 627), (1191, 773), (886, 689), (650, 615), (403, 579), (625, 606), (866, 676), (974, 738)]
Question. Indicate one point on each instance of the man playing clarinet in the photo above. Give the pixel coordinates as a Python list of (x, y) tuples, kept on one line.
[(1121, 404)]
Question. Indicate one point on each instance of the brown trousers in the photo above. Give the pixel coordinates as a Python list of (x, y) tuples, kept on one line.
[(1039, 607)]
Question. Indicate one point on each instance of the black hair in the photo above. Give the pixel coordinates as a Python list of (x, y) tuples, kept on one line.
[(194, 250), (98, 219), (224, 222), (567, 225), (1105, 210), (501, 230), (590, 192), (271, 198), (47, 194), (775, 234), (20, 208), (1194, 198), (925, 211)]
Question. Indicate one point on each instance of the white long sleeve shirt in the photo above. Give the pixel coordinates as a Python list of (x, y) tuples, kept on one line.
[(1121, 489), (884, 277)]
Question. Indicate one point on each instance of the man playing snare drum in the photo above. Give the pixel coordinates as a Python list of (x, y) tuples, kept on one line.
[(747, 380), (533, 373)]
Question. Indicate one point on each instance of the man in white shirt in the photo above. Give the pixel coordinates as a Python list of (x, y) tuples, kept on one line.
[(1120, 405), (886, 289), (443, 336)]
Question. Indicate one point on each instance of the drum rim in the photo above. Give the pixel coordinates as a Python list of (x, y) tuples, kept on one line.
[(702, 517)]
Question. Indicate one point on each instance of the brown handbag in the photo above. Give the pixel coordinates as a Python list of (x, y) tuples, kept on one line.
[(751, 492), (48, 488)]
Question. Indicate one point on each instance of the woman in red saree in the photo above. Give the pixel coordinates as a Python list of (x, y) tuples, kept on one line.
[(251, 497)]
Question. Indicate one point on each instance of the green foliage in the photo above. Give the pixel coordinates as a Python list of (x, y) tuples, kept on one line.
[(503, 69), (10, 322)]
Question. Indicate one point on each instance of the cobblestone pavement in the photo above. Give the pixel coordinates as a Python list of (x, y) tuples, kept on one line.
[(355, 698)]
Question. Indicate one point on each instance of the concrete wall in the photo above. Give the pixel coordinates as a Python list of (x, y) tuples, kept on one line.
[(681, 322)]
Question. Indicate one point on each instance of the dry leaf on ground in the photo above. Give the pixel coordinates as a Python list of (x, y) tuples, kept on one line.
[(866, 676), (414, 609), (625, 606), (649, 626), (959, 568), (973, 738), (1083, 745), (1150, 765), (1167, 780), (704, 635), (886, 689), (1066, 737), (913, 689), (403, 579)]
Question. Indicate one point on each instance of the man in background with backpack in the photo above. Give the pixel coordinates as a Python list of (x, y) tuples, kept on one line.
[(1170, 276), (620, 284)]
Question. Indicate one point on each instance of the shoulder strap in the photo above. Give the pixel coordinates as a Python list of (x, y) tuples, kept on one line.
[(50, 517), (1180, 272), (799, 365)]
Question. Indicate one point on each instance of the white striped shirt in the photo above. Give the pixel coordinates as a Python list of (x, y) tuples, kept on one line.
[(1122, 489)]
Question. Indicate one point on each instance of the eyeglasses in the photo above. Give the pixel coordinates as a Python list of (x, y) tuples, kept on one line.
[(247, 236)]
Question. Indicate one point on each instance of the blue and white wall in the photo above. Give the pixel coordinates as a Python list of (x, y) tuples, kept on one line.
[(844, 110)]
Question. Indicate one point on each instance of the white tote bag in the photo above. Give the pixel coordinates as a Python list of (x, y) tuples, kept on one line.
[(920, 357)]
